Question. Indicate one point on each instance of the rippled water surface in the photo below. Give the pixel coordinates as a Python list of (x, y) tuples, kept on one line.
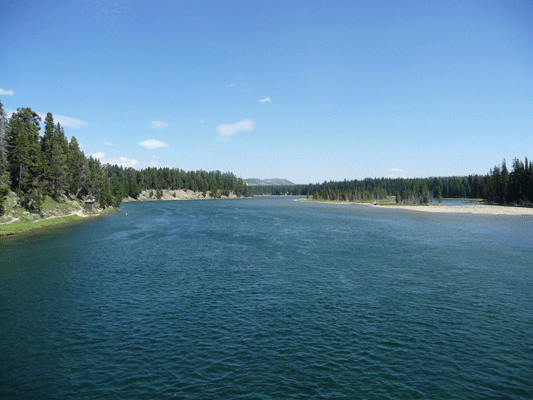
[(269, 298)]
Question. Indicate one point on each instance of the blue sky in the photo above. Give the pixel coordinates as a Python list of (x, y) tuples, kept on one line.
[(303, 90)]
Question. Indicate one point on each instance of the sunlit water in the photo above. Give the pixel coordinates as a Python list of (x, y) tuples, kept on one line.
[(269, 298)]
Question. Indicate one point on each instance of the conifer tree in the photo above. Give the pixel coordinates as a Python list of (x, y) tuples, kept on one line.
[(25, 157), (4, 174), (78, 167)]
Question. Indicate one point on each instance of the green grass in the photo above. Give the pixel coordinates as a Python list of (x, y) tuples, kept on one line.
[(17, 228), (57, 211)]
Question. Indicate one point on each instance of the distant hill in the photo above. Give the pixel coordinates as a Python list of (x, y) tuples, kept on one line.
[(268, 182)]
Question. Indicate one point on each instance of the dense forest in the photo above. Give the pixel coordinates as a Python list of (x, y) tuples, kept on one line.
[(499, 186), (36, 166)]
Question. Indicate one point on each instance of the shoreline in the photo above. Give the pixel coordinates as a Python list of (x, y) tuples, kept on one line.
[(480, 209), (18, 227), (178, 195)]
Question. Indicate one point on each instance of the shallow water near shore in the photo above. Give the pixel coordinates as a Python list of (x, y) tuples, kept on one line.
[(269, 298)]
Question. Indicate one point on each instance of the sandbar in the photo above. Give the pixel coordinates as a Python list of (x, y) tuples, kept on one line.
[(474, 209)]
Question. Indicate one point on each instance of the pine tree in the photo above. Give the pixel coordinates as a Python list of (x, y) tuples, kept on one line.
[(4, 174), (25, 157), (78, 167)]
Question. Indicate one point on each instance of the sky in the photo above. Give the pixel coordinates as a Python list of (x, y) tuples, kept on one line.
[(309, 91)]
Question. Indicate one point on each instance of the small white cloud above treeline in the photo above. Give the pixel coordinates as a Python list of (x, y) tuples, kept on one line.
[(227, 130), (158, 124), (7, 92), (120, 161), (392, 176), (397, 170), (265, 100), (153, 144), (108, 144), (98, 155), (61, 119), (67, 121)]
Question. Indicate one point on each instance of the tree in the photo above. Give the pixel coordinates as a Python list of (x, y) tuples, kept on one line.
[(25, 157), (4, 173), (78, 167)]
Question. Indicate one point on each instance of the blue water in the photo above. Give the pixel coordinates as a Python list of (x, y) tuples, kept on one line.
[(269, 298)]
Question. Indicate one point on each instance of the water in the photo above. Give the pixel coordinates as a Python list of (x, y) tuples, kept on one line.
[(269, 298)]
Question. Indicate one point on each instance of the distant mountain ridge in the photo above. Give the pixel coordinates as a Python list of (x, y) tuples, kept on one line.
[(268, 182)]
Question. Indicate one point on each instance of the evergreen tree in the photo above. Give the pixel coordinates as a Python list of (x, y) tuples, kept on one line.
[(78, 167), (4, 173), (25, 157)]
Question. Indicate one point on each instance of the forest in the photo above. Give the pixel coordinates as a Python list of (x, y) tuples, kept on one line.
[(35, 166), (499, 186)]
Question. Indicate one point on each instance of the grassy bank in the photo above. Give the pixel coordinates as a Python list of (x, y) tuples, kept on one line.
[(17, 228), (53, 213)]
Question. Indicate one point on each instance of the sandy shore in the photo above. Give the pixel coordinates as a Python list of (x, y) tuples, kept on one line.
[(474, 209)]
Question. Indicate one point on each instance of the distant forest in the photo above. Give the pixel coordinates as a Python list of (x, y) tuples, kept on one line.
[(35, 166), (499, 186)]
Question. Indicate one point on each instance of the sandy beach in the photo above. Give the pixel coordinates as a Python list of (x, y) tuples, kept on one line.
[(474, 209)]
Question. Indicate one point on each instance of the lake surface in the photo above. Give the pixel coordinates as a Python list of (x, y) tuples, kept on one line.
[(269, 298)]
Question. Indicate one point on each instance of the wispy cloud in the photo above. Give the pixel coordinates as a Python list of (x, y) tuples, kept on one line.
[(397, 170), (231, 85), (69, 122), (153, 144), (227, 130), (120, 161), (61, 119), (108, 144), (158, 124), (150, 164), (7, 92), (66, 121), (265, 100)]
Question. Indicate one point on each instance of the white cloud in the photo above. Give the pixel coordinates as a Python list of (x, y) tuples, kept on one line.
[(397, 170), (61, 119), (120, 161), (265, 100), (67, 121), (98, 155), (153, 144), (150, 164), (202, 121), (108, 144), (231, 85), (158, 124), (392, 176), (7, 92), (227, 130)]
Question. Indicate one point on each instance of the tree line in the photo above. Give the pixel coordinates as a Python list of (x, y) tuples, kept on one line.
[(499, 186), (35, 166)]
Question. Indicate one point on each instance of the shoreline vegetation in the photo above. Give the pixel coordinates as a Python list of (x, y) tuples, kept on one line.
[(45, 176), (65, 211), (482, 209)]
